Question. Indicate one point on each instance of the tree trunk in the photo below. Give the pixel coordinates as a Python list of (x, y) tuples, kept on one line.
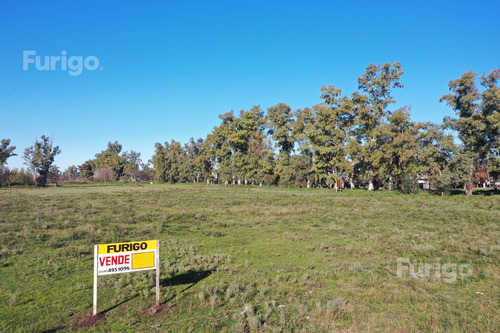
[(370, 186), (468, 188)]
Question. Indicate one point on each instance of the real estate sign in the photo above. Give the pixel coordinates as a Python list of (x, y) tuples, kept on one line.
[(126, 257)]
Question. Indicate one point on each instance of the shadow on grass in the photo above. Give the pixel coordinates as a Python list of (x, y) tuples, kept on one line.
[(186, 278), (486, 192), (56, 329), (189, 278)]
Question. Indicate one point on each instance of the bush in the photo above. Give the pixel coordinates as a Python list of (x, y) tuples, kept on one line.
[(15, 177), (409, 184)]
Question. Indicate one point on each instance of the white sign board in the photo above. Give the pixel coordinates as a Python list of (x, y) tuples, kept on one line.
[(127, 257)]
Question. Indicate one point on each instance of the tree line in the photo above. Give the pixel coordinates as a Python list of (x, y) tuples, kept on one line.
[(358, 139)]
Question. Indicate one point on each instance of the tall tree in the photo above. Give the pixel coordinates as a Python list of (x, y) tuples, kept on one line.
[(170, 162), (110, 157), (6, 151), (87, 169), (478, 118), (199, 163), (434, 156), (236, 143), (300, 171), (279, 121), (491, 111), (40, 158), (370, 108), (248, 126), (328, 135), (219, 148), (71, 173), (131, 164), (399, 146), (490, 108)]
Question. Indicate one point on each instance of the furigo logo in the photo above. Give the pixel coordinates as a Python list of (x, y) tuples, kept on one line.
[(73, 64), (447, 272)]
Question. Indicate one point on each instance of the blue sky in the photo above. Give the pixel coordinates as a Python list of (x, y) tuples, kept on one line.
[(168, 69)]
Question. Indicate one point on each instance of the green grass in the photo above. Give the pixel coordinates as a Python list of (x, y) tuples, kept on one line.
[(242, 258)]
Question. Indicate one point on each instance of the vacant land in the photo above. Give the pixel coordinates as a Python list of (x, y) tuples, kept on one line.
[(251, 259)]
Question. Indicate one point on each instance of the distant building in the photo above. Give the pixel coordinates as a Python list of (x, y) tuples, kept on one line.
[(423, 182)]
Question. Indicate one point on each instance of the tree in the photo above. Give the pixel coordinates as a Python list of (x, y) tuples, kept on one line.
[(399, 146), (40, 158), (71, 173), (87, 169), (199, 163), (131, 164), (6, 151), (478, 120), (370, 110), (279, 121), (104, 174), (260, 160), (219, 148), (494, 168), (238, 149), (490, 108), (248, 130), (170, 162), (300, 171), (110, 157), (328, 135), (434, 156), (54, 175)]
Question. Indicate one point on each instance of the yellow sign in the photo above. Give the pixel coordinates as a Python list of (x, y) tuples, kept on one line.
[(127, 247), (126, 257), (143, 260)]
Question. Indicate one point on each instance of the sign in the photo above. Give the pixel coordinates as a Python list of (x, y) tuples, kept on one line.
[(126, 257), (339, 183)]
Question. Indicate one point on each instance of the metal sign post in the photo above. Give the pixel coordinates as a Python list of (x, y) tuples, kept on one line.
[(96, 260), (157, 261)]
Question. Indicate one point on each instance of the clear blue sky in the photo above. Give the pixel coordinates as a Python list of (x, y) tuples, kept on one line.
[(170, 68)]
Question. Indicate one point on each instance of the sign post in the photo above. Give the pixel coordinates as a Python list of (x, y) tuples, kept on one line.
[(157, 260), (127, 257), (96, 255)]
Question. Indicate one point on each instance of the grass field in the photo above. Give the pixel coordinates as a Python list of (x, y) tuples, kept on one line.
[(250, 259)]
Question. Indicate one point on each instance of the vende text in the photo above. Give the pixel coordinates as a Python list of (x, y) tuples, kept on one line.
[(115, 260)]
